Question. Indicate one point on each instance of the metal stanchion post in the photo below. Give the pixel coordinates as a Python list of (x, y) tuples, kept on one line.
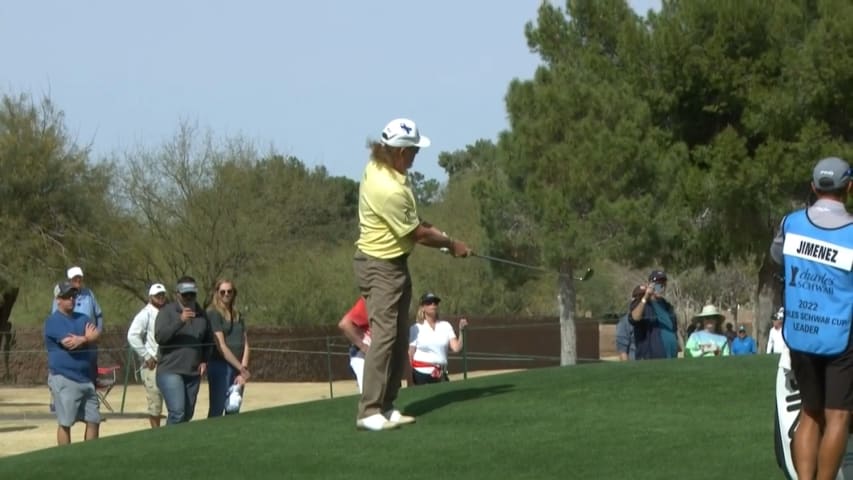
[(127, 367), (329, 365), (465, 354)]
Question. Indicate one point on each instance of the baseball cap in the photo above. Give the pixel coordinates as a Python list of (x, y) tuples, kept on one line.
[(780, 314), (74, 272), (402, 132), (429, 297), (64, 289), (831, 173), (657, 275), (741, 328), (155, 289), (187, 287)]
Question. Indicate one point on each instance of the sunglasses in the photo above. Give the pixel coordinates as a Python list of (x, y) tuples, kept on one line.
[(68, 297), (226, 292), (430, 302)]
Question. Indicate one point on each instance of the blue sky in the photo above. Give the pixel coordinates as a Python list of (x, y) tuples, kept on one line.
[(313, 79)]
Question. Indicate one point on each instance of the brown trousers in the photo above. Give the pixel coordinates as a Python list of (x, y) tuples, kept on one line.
[(387, 287)]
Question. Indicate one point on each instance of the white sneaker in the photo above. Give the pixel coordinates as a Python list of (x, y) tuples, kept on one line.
[(375, 423), (398, 418)]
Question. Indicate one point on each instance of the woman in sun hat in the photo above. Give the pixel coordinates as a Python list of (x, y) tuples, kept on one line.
[(708, 342)]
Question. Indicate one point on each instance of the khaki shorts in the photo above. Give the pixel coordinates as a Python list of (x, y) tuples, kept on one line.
[(155, 398)]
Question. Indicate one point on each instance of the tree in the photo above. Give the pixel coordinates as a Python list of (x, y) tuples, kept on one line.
[(478, 157), (426, 191), (52, 199), (219, 209), (753, 93), (569, 148)]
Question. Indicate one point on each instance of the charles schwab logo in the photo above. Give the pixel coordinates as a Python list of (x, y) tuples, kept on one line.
[(811, 280)]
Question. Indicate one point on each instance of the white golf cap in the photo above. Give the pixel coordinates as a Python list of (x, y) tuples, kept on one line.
[(402, 132), (74, 272), (155, 289)]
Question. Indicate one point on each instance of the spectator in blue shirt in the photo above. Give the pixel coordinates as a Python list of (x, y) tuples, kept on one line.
[(743, 344), (86, 302), (69, 338)]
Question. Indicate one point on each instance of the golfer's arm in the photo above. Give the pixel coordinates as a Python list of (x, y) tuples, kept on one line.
[(429, 236)]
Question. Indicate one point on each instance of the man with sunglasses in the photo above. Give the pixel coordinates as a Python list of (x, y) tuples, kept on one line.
[(69, 338), (815, 248), (183, 335), (140, 337), (654, 320), (389, 228)]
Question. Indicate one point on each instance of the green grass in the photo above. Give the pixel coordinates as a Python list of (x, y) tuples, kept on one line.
[(648, 420)]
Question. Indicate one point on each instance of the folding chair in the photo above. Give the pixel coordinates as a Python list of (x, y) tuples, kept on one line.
[(107, 379)]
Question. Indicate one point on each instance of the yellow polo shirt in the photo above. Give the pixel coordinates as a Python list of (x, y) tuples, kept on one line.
[(386, 212)]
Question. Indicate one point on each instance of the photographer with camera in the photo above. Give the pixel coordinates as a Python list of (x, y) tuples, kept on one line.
[(654, 320)]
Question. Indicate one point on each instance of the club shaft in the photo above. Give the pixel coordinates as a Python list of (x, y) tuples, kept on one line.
[(529, 267), (515, 264)]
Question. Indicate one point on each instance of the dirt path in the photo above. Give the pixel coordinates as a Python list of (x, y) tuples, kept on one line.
[(26, 423)]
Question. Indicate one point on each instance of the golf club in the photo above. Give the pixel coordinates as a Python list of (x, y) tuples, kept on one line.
[(586, 275)]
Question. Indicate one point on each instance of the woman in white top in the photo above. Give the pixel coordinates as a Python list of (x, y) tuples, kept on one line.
[(429, 339)]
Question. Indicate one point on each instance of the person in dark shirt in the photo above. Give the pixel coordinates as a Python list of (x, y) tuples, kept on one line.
[(183, 334), (654, 320)]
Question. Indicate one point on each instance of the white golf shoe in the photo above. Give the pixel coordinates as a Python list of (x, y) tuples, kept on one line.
[(375, 423), (397, 417)]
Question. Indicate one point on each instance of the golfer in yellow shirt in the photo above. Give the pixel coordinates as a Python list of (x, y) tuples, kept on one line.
[(389, 228)]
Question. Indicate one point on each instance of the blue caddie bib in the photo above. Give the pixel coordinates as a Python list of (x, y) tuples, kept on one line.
[(818, 286)]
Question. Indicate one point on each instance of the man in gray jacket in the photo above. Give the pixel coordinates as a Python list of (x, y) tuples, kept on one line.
[(183, 334)]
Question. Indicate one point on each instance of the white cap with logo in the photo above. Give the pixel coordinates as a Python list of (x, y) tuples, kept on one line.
[(402, 132)]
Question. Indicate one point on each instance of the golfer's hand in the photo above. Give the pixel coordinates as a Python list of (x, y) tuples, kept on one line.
[(151, 363), (463, 322), (187, 314), (202, 369), (240, 380), (459, 249)]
